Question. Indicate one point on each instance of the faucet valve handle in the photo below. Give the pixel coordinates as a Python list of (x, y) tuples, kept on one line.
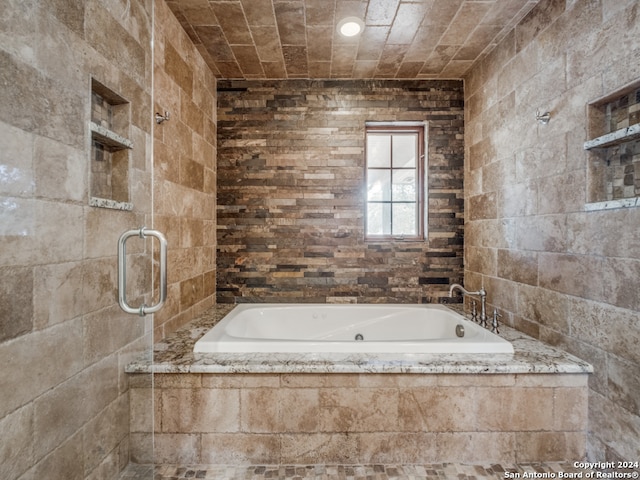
[(474, 311), (494, 323)]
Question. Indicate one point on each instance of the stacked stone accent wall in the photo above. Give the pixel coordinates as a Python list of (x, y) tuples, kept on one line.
[(291, 193)]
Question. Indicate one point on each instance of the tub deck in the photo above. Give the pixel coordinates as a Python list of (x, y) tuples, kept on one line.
[(257, 409), (175, 355)]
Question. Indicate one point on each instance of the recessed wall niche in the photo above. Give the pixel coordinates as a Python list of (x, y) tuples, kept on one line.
[(110, 149), (614, 150)]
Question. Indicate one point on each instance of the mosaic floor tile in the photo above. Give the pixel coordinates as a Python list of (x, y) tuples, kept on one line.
[(436, 471)]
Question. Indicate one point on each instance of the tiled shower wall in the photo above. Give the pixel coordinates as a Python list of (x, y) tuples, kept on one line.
[(559, 273), (64, 342), (291, 192), (63, 339), (184, 154)]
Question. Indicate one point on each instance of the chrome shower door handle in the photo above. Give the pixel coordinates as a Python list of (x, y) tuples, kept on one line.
[(142, 232)]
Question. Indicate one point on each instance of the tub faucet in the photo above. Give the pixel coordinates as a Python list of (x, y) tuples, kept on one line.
[(482, 293)]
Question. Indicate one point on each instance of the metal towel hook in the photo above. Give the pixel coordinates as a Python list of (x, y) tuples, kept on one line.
[(543, 118), (142, 232), (162, 118)]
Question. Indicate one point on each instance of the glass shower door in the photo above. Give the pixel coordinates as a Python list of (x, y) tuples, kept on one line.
[(64, 169)]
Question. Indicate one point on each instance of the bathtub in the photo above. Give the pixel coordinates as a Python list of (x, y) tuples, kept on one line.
[(350, 328)]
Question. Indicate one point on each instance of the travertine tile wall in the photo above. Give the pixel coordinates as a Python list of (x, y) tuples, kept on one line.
[(63, 340), (241, 419), (184, 172), (291, 194), (566, 276)]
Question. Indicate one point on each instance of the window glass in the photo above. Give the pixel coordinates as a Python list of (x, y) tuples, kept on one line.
[(394, 173), (379, 185), (404, 219), (404, 151), (379, 151), (404, 185), (378, 219)]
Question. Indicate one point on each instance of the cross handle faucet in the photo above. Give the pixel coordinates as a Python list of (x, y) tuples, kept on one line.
[(482, 293)]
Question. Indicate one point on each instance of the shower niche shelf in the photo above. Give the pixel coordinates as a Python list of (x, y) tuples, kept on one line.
[(612, 139), (108, 138), (110, 149), (614, 150)]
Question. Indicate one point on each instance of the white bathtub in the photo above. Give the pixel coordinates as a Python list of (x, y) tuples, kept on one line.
[(333, 328)]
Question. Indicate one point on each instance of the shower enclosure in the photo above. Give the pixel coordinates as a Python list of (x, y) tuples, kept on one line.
[(76, 171)]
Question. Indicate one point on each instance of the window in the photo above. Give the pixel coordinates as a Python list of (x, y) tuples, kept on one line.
[(395, 183)]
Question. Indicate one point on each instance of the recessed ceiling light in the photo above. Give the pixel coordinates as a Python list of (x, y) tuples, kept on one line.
[(350, 26)]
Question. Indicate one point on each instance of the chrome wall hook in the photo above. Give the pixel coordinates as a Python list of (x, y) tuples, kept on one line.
[(162, 118), (543, 118)]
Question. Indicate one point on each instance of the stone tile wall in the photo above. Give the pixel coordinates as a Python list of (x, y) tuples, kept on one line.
[(63, 339), (241, 419), (184, 155), (557, 272), (291, 194), (64, 342)]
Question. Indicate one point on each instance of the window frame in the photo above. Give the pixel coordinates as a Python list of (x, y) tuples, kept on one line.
[(394, 128)]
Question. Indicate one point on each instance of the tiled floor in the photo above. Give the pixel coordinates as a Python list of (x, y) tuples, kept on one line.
[(348, 472)]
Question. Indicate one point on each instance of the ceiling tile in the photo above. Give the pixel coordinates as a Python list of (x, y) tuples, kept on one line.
[(320, 49), (372, 42), (198, 12), (406, 23), (248, 59), (381, 12), (258, 12), (298, 38), (390, 61), (295, 60), (231, 19), (214, 41), (320, 12), (267, 43), (274, 69), (291, 23)]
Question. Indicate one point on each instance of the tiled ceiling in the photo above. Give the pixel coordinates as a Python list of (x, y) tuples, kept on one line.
[(277, 39)]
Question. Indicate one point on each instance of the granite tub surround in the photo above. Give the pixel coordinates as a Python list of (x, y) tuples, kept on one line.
[(174, 354), (279, 409), (290, 198)]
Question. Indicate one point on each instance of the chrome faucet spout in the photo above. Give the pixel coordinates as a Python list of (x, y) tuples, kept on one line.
[(482, 293), (464, 291)]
